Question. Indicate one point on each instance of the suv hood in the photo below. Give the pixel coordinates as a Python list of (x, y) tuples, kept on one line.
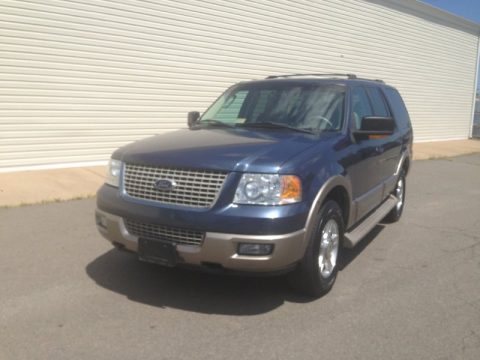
[(238, 149)]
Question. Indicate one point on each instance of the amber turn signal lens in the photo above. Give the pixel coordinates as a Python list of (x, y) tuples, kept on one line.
[(291, 189), (373, 137)]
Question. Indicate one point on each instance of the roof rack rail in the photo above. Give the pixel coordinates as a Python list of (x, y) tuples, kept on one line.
[(377, 80), (348, 76)]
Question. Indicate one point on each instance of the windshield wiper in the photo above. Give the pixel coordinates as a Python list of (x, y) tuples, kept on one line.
[(272, 124), (213, 122)]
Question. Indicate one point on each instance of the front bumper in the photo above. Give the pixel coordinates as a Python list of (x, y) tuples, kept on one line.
[(218, 249)]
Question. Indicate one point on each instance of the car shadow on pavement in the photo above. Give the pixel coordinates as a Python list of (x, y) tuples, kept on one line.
[(349, 255), (178, 288), (188, 290)]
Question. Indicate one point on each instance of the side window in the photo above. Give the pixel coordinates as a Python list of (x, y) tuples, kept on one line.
[(230, 109), (398, 108), (379, 107), (360, 106)]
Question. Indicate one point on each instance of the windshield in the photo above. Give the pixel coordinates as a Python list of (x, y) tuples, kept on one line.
[(304, 107)]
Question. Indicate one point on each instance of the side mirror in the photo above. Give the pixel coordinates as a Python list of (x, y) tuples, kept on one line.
[(192, 118), (375, 126)]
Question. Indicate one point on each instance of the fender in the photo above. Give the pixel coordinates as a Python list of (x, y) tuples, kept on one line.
[(405, 155), (389, 183), (331, 183)]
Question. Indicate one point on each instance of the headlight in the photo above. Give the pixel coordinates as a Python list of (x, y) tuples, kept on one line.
[(268, 189), (113, 172)]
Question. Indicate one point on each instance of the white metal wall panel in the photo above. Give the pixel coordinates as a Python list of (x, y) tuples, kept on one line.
[(81, 78)]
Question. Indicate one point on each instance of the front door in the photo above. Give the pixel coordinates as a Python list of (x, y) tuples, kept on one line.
[(364, 168)]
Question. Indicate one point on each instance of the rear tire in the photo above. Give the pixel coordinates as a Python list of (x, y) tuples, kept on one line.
[(400, 189), (317, 271)]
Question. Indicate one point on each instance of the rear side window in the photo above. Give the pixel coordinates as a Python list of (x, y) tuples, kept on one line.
[(398, 108), (360, 106), (379, 106)]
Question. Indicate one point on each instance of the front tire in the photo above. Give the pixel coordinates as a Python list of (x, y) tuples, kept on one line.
[(317, 271)]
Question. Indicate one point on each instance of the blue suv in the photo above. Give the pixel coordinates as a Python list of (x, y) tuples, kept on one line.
[(277, 175)]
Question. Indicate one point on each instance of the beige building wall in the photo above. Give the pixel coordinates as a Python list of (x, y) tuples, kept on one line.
[(80, 78)]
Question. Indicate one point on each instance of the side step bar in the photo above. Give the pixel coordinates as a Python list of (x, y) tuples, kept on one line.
[(352, 238)]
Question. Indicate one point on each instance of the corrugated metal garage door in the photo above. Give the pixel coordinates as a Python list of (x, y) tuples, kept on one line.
[(80, 78)]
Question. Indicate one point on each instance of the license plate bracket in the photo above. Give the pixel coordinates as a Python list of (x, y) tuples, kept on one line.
[(157, 252)]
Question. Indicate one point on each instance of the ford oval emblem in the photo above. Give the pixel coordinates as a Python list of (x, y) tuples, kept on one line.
[(165, 184)]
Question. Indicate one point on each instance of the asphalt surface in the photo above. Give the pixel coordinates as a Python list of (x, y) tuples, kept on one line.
[(411, 290)]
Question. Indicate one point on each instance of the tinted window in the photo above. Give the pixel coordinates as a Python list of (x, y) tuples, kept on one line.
[(379, 107), (398, 108), (264, 97), (307, 107), (360, 106), (230, 109)]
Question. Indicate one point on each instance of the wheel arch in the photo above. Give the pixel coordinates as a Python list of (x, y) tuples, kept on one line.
[(336, 188), (340, 195), (404, 163)]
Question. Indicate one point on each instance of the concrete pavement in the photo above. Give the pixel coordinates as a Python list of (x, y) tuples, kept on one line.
[(30, 187), (410, 290)]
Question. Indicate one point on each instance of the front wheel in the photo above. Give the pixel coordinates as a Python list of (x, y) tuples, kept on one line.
[(316, 273)]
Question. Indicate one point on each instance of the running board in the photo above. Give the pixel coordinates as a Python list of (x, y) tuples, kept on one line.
[(352, 238)]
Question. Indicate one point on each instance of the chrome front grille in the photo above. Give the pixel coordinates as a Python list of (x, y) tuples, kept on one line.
[(164, 233), (194, 188)]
